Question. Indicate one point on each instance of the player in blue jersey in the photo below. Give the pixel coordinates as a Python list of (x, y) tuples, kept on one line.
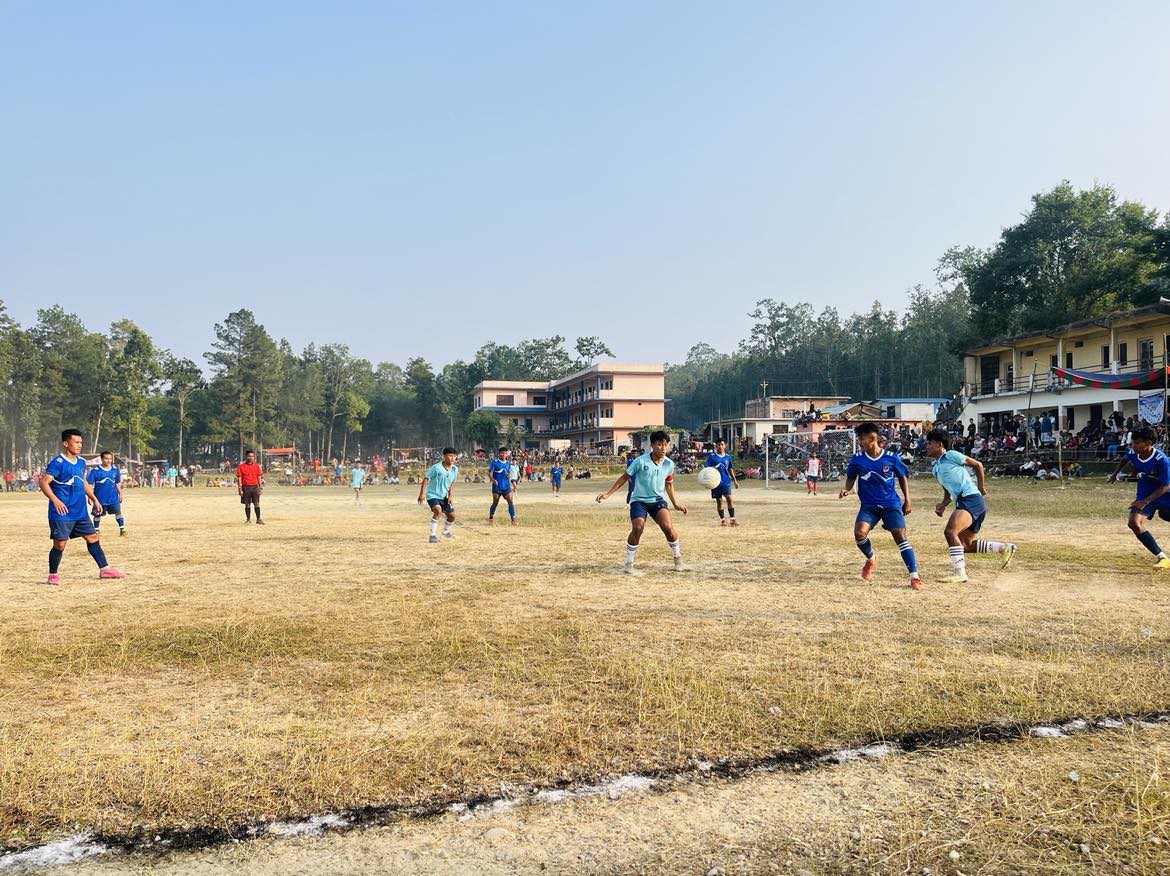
[(720, 459), (500, 477), (106, 480), (67, 489), (437, 487), (951, 469), (875, 470), (1153, 489), (653, 476), (556, 472)]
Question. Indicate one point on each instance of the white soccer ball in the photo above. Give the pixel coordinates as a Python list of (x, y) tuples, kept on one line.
[(710, 477)]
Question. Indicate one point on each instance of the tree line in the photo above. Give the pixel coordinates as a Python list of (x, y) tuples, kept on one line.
[(1075, 255)]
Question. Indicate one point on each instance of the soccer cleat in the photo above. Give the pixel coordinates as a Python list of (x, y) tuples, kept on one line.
[(491, 521), (1011, 552), (122, 531), (680, 566), (722, 521), (434, 539), (955, 578), (1163, 563), (628, 569), (259, 522), (915, 582), (867, 569), (53, 578), (111, 572), (734, 522), (448, 533), (514, 523)]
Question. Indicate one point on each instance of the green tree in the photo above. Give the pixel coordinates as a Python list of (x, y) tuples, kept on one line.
[(246, 364), (590, 348), (420, 383), (184, 377), (483, 428), (136, 371)]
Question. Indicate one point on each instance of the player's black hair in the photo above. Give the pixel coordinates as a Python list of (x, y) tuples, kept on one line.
[(1144, 433), (720, 440), (867, 428), (447, 450), (69, 433), (501, 449), (941, 436), (108, 453), (658, 436), (249, 450)]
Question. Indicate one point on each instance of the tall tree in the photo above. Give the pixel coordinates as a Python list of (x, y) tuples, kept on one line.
[(246, 364), (183, 377)]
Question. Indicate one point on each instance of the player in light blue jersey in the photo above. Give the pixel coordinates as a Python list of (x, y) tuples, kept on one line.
[(67, 489), (875, 470), (106, 480), (951, 469), (653, 476), (437, 487), (357, 479), (720, 459), (503, 485), (1153, 489)]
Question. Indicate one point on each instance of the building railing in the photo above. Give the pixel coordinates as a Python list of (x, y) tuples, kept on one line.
[(1046, 380)]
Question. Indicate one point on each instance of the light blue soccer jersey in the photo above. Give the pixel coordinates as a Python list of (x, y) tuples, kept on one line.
[(723, 463), (876, 478), (357, 477), (1152, 473), (954, 475), (649, 477), (439, 480), (68, 485), (105, 483)]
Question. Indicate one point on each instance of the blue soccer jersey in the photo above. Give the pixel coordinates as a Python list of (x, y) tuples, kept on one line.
[(876, 478), (105, 483), (439, 480), (68, 485), (500, 473), (1152, 472), (723, 463), (557, 472), (649, 477)]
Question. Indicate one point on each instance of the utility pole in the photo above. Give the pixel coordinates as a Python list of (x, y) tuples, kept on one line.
[(767, 435)]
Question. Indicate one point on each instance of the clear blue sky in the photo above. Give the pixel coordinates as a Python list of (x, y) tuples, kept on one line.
[(422, 178)]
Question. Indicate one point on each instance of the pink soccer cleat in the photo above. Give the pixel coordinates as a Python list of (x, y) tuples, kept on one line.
[(111, 572), (53, 578)]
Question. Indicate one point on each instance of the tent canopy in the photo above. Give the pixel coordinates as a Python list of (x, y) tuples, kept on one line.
[(1154, 379)]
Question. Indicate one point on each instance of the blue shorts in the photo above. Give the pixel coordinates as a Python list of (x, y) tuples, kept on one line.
[(812, 479), (976, 507), (891, 517), (63, 530), (646, 509), (556, 482), (721, 490), (1161, 508), (114, 508), (444, 505), (499, 489)]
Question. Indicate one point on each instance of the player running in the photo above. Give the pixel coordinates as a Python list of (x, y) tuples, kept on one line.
[(812, 474), (652, 474), (874, 470), (556, 472), (65, 485), (500, 476), (950, 467), (106, 480), (438, 485), (357, 478), (250, 484), (720, 459), (1153, 484)]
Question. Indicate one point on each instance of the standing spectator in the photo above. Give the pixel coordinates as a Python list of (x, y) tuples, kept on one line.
[(9, 481)]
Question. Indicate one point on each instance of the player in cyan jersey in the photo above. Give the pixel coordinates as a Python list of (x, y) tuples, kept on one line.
[(722, 461), (437, 486), (500, 477), (875, 470), (357, 479), (1153, 489), (106, 480)]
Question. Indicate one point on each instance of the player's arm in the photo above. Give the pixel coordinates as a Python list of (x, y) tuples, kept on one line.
[(422, 488), (904, 486), (1162, 490), (118, 486), (1120, 465), (941, 507), (239, 480), (451, 490), (673, 497), (850, 480), (979, 474), (59, 506), (617, 485)]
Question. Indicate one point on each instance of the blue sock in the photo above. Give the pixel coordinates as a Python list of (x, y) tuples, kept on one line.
[(866, 548), (121, 522), (95, 551), (908, 556), (55, 560), (512, 511), (720, 510), (730, 510), (1147, 538)]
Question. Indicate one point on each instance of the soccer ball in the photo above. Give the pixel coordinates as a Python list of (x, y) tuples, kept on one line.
[(709, 477)]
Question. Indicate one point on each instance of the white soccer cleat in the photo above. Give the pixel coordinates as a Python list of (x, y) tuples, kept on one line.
[(680, 566), (434, 539), (955, 578), (448, 533)]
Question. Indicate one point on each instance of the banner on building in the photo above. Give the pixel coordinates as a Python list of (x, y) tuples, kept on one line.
[(1152, 407)]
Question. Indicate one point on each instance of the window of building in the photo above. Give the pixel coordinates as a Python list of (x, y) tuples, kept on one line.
[(1146, 353), (539, 400), (607, 384), (1123, 353), (1068, 360), (1079, 344), (1053, 361), (509, 400), (1029, 353), (606, 412), (1104, 355)]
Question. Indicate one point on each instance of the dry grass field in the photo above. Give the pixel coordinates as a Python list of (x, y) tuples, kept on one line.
[(334, 659)]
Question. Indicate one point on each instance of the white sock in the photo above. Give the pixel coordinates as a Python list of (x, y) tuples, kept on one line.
[(958, 561), (631, 549), (447, 524), (983, 546), (675, 549), (434, 526)]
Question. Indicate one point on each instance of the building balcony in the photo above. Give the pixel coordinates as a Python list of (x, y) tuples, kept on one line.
[(1047, 381)]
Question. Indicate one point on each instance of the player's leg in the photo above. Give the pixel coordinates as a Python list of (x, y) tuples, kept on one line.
[(899, 534), (93, 543), (662, 518), (637, 524), (730, 505), (448, 509), (957, 529), (246, 501), (1137, 525), (436, 513), (510, 498), (116, 509), (56, 551), (861, 529), (256, 504), (717, 495), (492, 510)]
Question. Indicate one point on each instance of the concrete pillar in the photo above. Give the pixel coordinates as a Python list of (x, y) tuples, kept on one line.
[(1015, 368), (1061, 419), (1113, 353)]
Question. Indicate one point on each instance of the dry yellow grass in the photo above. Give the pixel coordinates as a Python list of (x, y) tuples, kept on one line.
[(334, 659)]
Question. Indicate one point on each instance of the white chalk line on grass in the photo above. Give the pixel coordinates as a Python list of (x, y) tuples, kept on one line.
[(82, 846)]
